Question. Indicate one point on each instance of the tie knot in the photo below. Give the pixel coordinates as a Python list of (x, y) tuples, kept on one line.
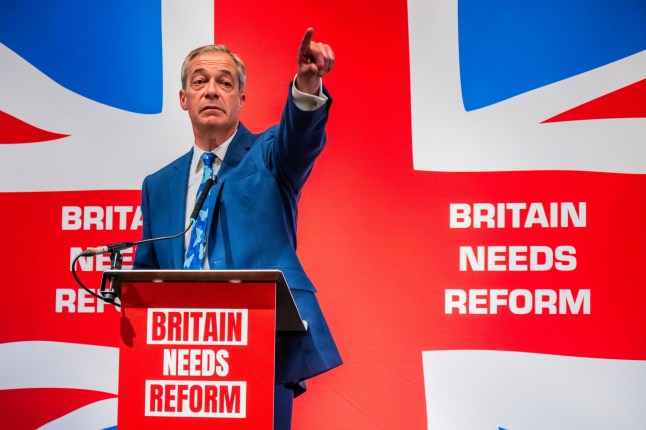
[(208, 158)]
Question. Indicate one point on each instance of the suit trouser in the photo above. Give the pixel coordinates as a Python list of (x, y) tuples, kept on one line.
[(283, 402)]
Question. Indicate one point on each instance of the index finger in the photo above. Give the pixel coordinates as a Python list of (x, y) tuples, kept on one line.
[(307, 39)]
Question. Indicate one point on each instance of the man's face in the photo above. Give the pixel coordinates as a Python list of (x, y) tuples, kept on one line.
[(212, 95)]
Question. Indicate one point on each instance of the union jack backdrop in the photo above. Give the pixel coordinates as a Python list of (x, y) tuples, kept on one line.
[(474, 227)]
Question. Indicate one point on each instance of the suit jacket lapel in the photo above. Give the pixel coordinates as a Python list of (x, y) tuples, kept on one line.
[(176, 185), (238, 147)]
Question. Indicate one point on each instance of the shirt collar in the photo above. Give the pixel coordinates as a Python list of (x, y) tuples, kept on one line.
[(219, 152)]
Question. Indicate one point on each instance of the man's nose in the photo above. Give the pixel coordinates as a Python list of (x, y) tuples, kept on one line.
[(212, 89)]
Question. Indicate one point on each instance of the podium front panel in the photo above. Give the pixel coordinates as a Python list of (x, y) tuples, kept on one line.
[(196, 355)]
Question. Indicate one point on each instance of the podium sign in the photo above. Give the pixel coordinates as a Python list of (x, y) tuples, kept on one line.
[(196, 354)]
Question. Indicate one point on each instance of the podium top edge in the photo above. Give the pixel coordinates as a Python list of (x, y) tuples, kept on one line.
[(233, 276)]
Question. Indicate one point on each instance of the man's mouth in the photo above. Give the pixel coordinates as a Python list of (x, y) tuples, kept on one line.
[(210, 108)]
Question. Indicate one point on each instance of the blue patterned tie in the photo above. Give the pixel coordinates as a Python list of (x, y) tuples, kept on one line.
[(197, 244)]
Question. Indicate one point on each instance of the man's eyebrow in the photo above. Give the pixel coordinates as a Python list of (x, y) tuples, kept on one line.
[(220, 71)]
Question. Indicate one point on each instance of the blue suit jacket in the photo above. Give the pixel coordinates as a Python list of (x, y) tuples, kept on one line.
[(253, 225)]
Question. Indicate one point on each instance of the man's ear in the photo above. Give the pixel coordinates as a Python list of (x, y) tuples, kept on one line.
[(243, 98), (182, 99)]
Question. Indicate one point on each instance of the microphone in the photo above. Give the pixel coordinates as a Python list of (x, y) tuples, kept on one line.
[(107, 248), (200, 200), (123, 245)]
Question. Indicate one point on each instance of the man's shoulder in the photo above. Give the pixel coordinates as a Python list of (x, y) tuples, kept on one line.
[(249, 138), (247, 141)]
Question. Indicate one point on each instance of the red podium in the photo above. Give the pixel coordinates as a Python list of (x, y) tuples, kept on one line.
[(197, 347)]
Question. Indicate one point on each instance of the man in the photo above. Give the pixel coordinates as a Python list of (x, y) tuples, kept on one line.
[(249, 217)]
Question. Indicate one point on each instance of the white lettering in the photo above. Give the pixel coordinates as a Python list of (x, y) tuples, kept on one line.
[(195, 362), (518, 306), (455, 299), (574, 304), (189, 398), (523, 215), (71, 218), (78, 301), (518, 301), (101, 218), (169, 326), (516, 258), (460, 215), (222, 368)]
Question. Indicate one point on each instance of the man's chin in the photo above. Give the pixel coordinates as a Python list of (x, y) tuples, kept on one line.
[(214, 120), (217, 123)]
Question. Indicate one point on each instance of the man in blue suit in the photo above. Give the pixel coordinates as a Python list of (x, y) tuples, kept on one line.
[(251, 211)]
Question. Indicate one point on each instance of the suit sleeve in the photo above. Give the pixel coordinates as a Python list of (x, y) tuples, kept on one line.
[(299, 139)]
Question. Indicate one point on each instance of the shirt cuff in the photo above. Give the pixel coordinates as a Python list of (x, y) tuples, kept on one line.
[(308, 102)]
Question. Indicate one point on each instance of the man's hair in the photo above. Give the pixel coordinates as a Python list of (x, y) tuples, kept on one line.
[(242, 74)]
